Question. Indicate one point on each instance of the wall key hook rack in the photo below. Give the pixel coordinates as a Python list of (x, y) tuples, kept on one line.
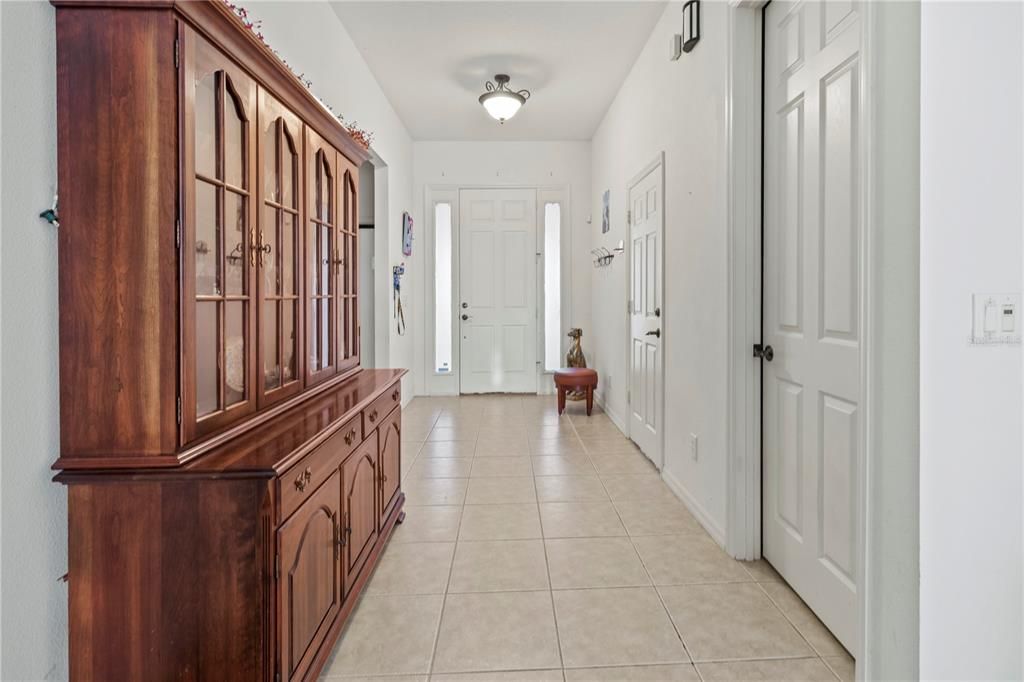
[(603, 257)]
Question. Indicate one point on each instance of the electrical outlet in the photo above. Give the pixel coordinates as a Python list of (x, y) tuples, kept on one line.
[(693, 446)]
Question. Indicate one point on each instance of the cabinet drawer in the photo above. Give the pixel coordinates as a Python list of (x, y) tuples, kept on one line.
[(301, 479), (373, 416)]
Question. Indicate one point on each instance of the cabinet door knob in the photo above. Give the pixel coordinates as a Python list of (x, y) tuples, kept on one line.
[(350, 436), (373, 416), (395, 394), (303, 479)]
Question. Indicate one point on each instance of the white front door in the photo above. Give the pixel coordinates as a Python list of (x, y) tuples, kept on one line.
[(812, 305), (646, 330), (497, 290)]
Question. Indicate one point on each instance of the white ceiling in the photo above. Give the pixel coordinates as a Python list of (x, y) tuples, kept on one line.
[(432, 59)]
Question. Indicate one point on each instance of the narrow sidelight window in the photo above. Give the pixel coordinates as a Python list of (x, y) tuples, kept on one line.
[(552, 287), (443, 288)]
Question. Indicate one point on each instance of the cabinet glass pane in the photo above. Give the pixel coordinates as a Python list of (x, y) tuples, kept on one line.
[(206, 125), (269, 156), (271, 368), (206, 358), (234, 142), (234, 352), (234, 242), (289, 159), (288, 265), (325, 331), (325, 259), (207, 240), (290, 340), (311, 258), (314, 336), (268, 233), (321, 187)]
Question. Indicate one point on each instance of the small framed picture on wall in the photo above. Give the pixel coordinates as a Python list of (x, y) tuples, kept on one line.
[(605, 211)]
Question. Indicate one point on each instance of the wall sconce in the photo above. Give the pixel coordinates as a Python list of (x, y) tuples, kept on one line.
[(691, 25)]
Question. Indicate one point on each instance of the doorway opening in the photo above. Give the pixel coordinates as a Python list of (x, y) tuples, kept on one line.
[(367, 250), (498, 271)]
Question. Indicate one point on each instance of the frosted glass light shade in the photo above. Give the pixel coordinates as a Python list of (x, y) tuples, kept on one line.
[(502, 105)]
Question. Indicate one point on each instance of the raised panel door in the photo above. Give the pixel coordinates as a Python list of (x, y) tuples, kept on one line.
[(310, 577), (390, 435), (812, 306), (360, 499), (278, 251), (218, 284)]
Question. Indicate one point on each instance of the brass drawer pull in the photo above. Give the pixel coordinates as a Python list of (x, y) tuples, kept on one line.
[(303, 479), (350, 436), (395, 394), (373, 416)]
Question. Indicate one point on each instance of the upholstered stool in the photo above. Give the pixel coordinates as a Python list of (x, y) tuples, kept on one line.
[(573, 378)]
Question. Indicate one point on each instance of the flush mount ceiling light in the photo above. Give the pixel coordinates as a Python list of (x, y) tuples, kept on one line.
[(501, 102)]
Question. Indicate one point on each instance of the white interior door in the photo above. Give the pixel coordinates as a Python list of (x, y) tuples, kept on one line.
[(812, 303), (497, 290), (646, 331)]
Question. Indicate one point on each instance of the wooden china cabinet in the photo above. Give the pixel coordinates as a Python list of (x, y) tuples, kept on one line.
[(232, 472)]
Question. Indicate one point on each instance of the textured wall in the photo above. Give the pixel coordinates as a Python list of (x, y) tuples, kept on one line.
[(34, 534)]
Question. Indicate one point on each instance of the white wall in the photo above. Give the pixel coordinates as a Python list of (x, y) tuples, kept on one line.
[(678, 108), (33, 514), (34, 531), (497, 164), (972, 109)]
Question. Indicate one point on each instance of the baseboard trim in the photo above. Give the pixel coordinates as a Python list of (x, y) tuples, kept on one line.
[(616, 419), (698, 511)]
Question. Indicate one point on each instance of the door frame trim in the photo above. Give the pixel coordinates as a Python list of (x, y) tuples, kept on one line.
[(435, 384), (627, 255), (744, 205)]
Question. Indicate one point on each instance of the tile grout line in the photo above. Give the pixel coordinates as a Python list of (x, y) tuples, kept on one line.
[(798, 631), (444, 598), (650, 578)]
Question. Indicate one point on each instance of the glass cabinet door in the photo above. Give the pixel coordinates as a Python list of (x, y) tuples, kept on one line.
[(323, 258), (348, 286), (219, 319), (277, 251)]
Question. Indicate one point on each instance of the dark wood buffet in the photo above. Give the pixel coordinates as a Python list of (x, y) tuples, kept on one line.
[(232, 471)]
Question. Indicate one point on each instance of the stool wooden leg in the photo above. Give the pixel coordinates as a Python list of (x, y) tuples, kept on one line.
[(590, 399), (561, 399)]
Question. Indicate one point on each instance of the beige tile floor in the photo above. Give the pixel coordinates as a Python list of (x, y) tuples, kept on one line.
[(539, 547)]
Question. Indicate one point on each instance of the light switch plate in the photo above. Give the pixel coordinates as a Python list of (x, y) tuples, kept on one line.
[(693, 446), (996, 319)]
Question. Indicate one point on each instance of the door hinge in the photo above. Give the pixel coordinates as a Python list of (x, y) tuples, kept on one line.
[(177, 50), (177, 409), (629, 217)]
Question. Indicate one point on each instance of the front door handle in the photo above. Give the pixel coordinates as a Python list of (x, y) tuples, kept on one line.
[(656, 332)]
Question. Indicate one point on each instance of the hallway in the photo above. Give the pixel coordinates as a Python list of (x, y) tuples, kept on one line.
[(549, 548)]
